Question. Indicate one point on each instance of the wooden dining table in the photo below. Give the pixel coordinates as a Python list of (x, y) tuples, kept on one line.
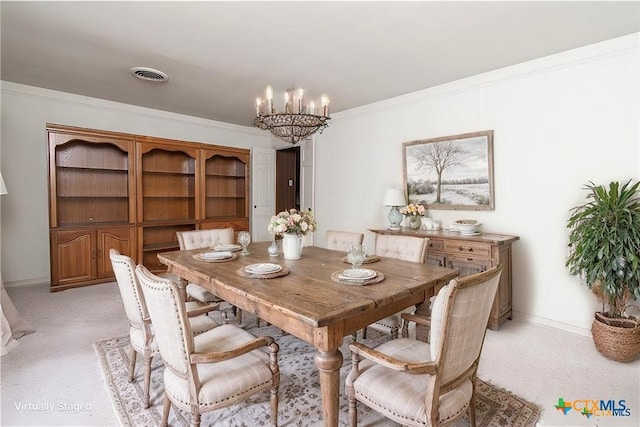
[(309, 304)]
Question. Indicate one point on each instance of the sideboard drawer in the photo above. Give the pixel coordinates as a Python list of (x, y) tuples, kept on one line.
[(467, 248), (435, 245)]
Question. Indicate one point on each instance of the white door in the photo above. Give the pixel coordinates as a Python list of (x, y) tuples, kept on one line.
[(263, 192), (307, 151)]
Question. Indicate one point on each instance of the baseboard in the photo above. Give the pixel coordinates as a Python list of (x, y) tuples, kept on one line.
[(28, 282), (528, 318)]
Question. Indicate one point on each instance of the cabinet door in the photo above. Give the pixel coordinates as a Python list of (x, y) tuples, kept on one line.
[(120, 238), (73, 256), (438, 260), (467, 266)]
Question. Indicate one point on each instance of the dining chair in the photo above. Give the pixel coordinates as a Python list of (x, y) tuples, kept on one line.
[(199, 239), (407, 248), (210, 371), (416, 383), (140, 329), (341, 240)]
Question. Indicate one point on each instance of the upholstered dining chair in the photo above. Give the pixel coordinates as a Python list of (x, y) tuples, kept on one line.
[(431, 384), (341, 240), (198, 239), (407, 248), (212, 370), (140, 329)]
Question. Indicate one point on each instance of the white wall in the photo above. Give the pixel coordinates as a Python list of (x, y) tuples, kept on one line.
[(558, 123), (25, 112)]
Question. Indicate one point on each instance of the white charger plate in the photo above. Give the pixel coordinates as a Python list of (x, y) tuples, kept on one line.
[(263, 268), (357, 274)]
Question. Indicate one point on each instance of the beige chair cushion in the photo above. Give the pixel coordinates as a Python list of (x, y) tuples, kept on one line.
[(200, 294), (198, 239), (237, 377), (401, 396), (340, 240), (465, 335), (407, 248)]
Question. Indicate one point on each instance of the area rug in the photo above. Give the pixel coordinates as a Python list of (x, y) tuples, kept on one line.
[(300, 402)]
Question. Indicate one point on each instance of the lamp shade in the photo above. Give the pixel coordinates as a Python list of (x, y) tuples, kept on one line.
[(3, 188), (394, 197)]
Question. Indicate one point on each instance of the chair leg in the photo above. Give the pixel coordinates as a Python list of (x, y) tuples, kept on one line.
[(166, 407), (274, 406), (132, 364), (147, 381), (394, 333), (239, 316), (364, 333), (353, 412), (472, 406)]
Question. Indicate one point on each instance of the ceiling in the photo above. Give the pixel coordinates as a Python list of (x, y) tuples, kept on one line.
[(220, 55)]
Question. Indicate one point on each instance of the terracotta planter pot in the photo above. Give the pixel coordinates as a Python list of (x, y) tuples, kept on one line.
[(616, 339)]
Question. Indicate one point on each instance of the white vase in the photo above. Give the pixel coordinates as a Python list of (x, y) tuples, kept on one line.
[(292, 246)]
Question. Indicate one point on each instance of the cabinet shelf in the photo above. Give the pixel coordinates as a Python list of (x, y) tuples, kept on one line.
[(161, 246), (225, 175), (168, 173), (101, 168)]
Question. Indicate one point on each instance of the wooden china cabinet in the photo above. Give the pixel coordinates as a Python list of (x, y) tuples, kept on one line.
[(470, 255), (133, 193)]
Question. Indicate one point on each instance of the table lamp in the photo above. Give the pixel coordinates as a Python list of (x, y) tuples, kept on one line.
[(394, 198)]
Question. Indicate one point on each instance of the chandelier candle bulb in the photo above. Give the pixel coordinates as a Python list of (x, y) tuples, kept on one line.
[(269, 96), (300, 97), (258, 105), (312, 108), (325, 104)]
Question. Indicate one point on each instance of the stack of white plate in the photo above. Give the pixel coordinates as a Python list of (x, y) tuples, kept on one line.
[(358, 274), (263, 268), (230, 247), (216, 255), (467, 227)]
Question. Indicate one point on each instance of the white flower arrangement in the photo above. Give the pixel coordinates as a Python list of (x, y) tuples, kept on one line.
[(292, 221)]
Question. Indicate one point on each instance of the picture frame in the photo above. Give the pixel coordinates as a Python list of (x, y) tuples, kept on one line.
[(450, 172)]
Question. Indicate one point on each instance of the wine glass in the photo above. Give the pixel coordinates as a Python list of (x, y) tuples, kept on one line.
[(244, 238), (356, 255)]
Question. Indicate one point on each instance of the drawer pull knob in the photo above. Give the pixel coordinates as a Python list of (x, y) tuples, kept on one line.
[(467, 249)]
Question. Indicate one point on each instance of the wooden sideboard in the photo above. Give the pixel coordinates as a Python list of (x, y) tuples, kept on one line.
[(470, 255)]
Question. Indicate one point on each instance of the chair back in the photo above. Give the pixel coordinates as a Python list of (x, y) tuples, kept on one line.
[(407, 248), (198, 239), (168, 315), (341, 240), (459, 322), (130, 291)]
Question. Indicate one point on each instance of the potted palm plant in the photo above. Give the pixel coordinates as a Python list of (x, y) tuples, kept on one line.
[(604, 242)]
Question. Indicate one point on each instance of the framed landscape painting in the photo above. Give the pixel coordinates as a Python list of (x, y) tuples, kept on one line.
[(450, 172)]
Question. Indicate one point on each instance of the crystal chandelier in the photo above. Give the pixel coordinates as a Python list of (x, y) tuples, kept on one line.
[(297, 121)]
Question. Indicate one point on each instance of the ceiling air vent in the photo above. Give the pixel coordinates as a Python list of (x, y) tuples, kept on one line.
[(145, 73)]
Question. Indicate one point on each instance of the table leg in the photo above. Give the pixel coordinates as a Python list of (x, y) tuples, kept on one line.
[(329, 364)]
